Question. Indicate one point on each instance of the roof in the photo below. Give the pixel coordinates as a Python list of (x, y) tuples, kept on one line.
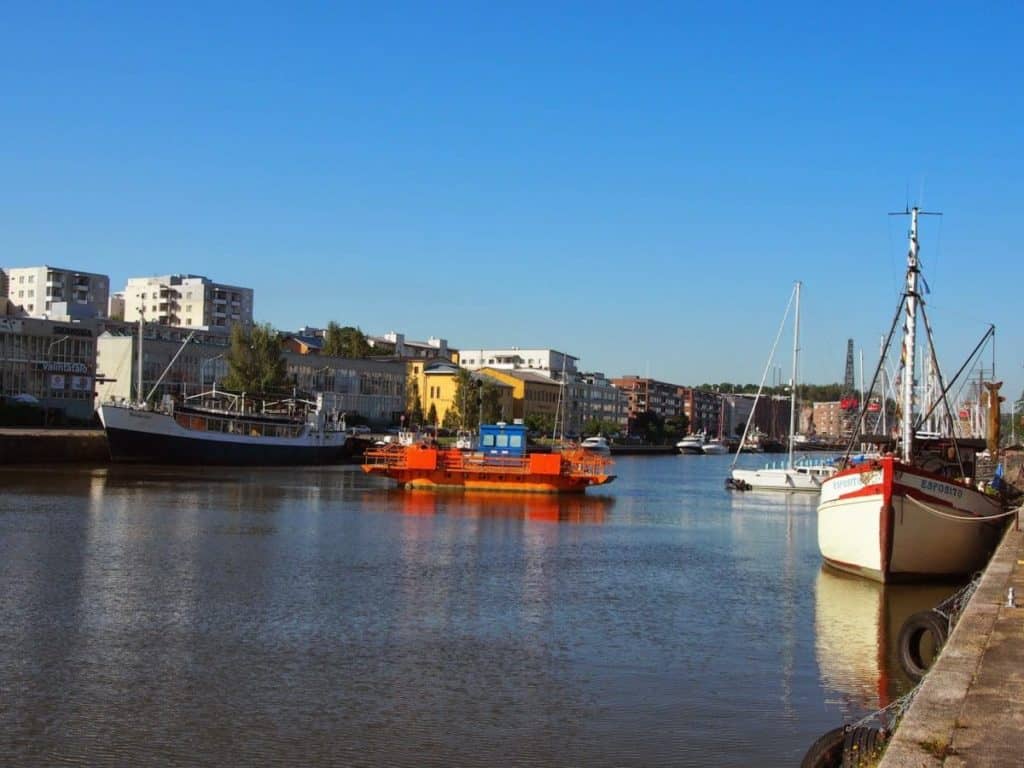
[(529, 376)]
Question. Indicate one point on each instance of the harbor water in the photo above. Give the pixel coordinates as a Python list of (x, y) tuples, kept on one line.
[(183, 616)]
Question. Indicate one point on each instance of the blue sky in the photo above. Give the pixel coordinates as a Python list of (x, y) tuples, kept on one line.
[(636, 184)]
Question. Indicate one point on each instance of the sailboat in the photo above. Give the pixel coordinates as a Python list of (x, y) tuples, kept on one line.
[(790, 475), (914, 515)]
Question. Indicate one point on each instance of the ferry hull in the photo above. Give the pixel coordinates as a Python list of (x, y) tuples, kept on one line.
[(888, 522), (430, 468), (144, 437)]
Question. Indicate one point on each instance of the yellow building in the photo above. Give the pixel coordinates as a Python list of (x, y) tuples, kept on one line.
[(532, 393), (437, 385)]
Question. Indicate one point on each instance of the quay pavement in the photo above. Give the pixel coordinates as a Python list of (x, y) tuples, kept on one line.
[(969, 711)]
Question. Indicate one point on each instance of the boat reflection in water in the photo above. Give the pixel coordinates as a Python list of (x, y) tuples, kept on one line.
[(553, 508), (857, 627)]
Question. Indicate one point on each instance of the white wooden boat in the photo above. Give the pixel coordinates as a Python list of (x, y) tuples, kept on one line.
[(918, 514)]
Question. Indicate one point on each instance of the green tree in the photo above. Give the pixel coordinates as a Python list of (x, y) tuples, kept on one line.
[(677, 426), (600, 427), (412, 402), (465, 409), (255, 362), (344, 342), (432, 415), (333, 346), (544, 423), (650, 426), (490, 403)]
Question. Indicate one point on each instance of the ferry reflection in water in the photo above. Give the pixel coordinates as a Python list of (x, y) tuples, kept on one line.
[(554, 508), (857, 627)]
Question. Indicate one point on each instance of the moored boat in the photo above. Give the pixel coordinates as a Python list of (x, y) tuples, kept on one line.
[(917, 514), (793, 475), (224, 429), (692, 444), (798, 475), (597, 444), (500, 463), (715, 447)]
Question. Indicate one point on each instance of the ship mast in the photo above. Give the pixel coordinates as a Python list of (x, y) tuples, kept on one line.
[(792, 378), (910, 335), (910, 341)]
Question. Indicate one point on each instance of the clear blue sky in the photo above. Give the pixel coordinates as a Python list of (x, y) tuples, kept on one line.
[(636, 184)]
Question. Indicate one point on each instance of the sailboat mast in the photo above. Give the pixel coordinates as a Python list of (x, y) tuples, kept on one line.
[(138, 380), (792, 378), (910, 341)]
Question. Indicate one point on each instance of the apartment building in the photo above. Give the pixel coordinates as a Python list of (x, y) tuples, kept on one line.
[(546, 362), (52, 292), (593, 397), (703, 410), (644, 394), (829, 420), (188, 301)]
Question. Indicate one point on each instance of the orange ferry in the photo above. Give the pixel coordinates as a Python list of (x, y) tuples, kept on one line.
[(499, 463)]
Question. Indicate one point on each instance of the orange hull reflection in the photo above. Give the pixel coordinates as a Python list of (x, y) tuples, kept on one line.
[(545, 508)]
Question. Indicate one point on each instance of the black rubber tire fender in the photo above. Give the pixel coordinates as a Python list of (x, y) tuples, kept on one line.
[(862, 746), (912, 633), (827, 751)]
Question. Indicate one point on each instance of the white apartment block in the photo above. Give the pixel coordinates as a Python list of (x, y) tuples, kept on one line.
[(547, 362), (48, 291), (404, 348), (188, 301)]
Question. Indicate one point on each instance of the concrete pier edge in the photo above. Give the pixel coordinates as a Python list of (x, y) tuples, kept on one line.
[(969, 710)]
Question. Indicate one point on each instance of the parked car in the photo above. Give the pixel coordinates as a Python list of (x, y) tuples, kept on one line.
[(359, 429)]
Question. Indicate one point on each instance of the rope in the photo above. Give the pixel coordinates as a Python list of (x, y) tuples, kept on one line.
[(961, 518)]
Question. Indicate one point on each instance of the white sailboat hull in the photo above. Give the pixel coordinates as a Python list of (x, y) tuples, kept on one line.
[(782, 479), (889, 521)]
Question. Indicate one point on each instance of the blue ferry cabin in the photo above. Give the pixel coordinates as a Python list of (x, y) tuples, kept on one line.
[(503, 439)]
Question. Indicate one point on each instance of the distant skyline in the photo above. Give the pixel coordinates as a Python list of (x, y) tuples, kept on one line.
[(638, 186)]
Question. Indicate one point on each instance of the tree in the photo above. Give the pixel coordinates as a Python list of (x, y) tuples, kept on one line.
[(464, 412), (600, 427), (650, 426), (432, 415), (412, 402), (344, 342), (255, 362), (544, 423), (333, 346), (677, 426), (490, 403)]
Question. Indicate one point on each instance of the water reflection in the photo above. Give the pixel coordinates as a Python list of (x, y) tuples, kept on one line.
[(857, 625), (552, 508)]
